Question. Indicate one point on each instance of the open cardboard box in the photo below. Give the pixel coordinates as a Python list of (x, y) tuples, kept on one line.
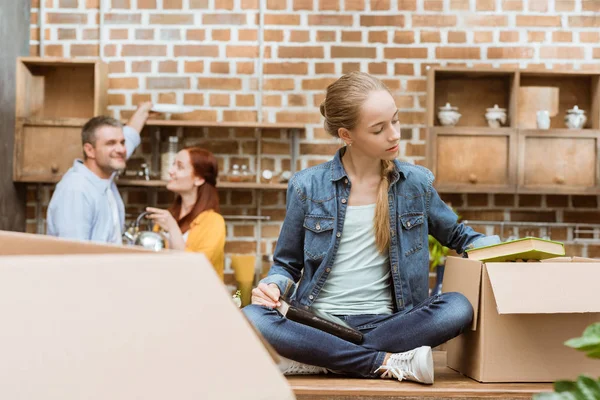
[(83, 320), (523, 313)]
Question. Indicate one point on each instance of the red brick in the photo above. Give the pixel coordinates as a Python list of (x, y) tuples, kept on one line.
[(404, 69), (172, 4), (116, 99), (538, 5), (74, 3), (286, 68), (220, 83), (509, 36), (562, 36), (564, 5), (279, 84), (168, 66), (487, 20), (276, 4), (116, 67), (272, 100), (329, 5), (589, 37), (146, 4), (324, 68), (167, 83), (533, 216), (245, 68), (143, 50), (244, 100), (430, 37), (196, 51), (171, 19), (538, 20), (303, 5), (168, 98), (461, 5), (353, 52), (415, 150), (419, 85), (119, 34), (457, 37), (123, 83), (596, 53), (298, 116), (223, 4), (137, 98), (196, 34), (301, 52), (350, 67), (141, 66), (354, 5), (404, 37), (536, 36), (326, 36), (510, 52), (239, 115), (299, 36), (193, 99), (71, 18), (592, 21), (382, 20), (458, 52), (562, 52), (330, 20), (404, 52), (144, 34), (247, 35), (433, 5), (485, 5), (219, 100), (240, 247), (412, 118), (273, 35), (321, 148), (195, 67), (242, 51), (433, 20), (246, 4), (282, 19), (512, 5), (378, 37), (378, 68), (221, 34), (317, 84), (66, 34), (85, 50), (224, 19), (351, 36), (404, 101), (483, 37)]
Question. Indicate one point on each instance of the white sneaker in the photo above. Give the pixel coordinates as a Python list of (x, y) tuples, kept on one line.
[(414, 365), (290, 367)]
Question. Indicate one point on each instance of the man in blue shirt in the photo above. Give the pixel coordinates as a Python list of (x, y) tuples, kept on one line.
[(86, 204)]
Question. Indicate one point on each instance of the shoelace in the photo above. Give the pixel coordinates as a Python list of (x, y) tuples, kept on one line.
[(398, 366)]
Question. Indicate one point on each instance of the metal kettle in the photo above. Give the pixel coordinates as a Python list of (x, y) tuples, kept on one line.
[(148, 239)]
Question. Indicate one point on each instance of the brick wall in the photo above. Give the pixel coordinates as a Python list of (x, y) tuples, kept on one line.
[(205, 53)]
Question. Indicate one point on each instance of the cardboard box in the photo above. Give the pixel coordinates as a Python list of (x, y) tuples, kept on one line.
[(122, 323), (524, 312)]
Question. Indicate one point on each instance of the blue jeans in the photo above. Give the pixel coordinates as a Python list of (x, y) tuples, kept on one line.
[(431, 323)]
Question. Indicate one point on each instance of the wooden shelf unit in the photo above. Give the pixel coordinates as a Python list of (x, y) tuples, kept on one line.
[(471, 157), (220, 185)]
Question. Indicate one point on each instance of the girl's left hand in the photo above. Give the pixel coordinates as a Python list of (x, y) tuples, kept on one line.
[(162, 218)]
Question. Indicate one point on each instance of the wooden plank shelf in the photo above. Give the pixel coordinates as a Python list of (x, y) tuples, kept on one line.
[(79, 122), (448, 384), (220, 185)]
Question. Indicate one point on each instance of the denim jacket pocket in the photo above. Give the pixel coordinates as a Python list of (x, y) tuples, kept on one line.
[(317, 235), (412, 232)]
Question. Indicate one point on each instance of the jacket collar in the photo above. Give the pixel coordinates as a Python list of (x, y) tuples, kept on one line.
[(338, 172)]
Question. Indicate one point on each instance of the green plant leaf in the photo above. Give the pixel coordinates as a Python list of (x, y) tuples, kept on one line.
[(592, 331), (583, 343), (594, 353), (588, 387), (565, 386), (554, 396)]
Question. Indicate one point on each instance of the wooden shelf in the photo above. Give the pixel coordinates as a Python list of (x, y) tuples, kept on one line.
[(79, 122), (220, 185)]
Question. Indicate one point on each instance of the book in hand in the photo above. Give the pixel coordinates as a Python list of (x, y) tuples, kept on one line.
[(529, 248), (325, 322)]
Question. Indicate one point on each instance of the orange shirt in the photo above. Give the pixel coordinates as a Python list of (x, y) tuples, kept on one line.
[(207, 235)]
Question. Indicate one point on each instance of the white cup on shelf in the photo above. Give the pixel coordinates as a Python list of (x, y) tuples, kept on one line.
[(543, 119)]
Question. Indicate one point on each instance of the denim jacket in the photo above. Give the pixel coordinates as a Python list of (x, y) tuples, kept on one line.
[(317, 199)]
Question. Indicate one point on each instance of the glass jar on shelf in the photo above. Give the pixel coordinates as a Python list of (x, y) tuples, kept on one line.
[(167, 156), (235, 175)]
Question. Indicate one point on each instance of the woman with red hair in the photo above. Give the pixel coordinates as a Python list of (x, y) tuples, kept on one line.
[(193, 221)]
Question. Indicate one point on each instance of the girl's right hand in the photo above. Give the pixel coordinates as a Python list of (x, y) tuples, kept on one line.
[(266, 295)]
